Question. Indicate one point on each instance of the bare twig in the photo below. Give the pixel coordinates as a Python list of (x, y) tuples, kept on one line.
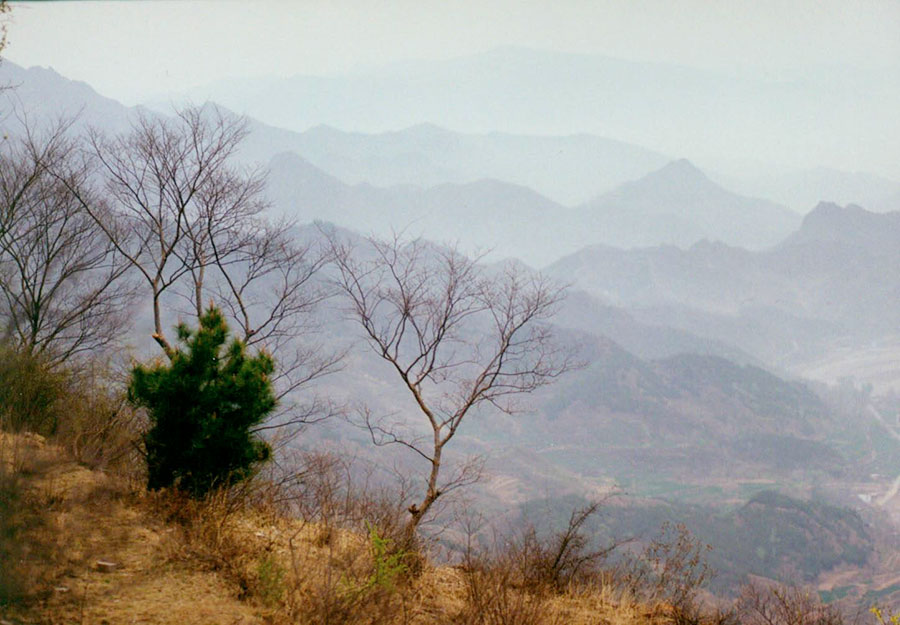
[(63, 291), (457, 339)]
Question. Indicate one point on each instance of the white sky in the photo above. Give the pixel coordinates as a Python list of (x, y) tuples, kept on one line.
[(131, 50)]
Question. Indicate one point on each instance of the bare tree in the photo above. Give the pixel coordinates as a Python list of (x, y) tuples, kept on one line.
[(4, 11), (458, 339), (158, 176), (62, 291), (193, 227)]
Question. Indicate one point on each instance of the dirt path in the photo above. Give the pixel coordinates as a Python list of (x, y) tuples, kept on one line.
[(86, 517)]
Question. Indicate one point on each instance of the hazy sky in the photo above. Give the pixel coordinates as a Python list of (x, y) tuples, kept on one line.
[(133, 50)]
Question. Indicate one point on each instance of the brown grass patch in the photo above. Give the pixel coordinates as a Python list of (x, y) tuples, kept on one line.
[(77, 517), (244, 556)]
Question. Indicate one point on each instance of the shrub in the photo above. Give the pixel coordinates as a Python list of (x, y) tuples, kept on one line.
[(514, 581), (209, 535), (884, 617), (495, 595), (99, 428), (564, 558), (680, 565), (672, 569), (202, 406), (29, 393), (270, 584), (387, 564), (772, 604), (348, 580), (83, 409)]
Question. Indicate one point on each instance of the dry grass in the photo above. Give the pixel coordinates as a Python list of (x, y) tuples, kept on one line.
[(80, 517), (235, 558), (248, 557), (761, 604)]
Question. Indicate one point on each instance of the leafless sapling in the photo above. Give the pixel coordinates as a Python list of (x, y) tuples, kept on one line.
[(194, 227), (62, 287), (458, 338)]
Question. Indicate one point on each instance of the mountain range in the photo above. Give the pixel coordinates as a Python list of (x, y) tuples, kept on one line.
[(825, 287), (704, 115), (803, 190), (679, 205), (675, 205), (708, 262), (696, 310), (571, 169)]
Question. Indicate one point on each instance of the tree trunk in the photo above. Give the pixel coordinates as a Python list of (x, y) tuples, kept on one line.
[(418, 512)]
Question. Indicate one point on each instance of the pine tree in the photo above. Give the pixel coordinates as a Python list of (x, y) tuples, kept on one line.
[(203, 404)]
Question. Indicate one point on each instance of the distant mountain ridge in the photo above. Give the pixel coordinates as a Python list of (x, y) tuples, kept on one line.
[(43, 95), (878, 233), (803, 190), (485, 215), (828, 283), (672, 109), (676, 205), (568, 169), (679, 205)]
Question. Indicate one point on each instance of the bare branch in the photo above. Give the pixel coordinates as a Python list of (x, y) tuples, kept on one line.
[(193, 225), (165, 178), (61, 281), (456, 338)]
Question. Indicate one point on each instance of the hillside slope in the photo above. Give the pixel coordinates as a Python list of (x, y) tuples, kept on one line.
[(84, 546), (68, 520)]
